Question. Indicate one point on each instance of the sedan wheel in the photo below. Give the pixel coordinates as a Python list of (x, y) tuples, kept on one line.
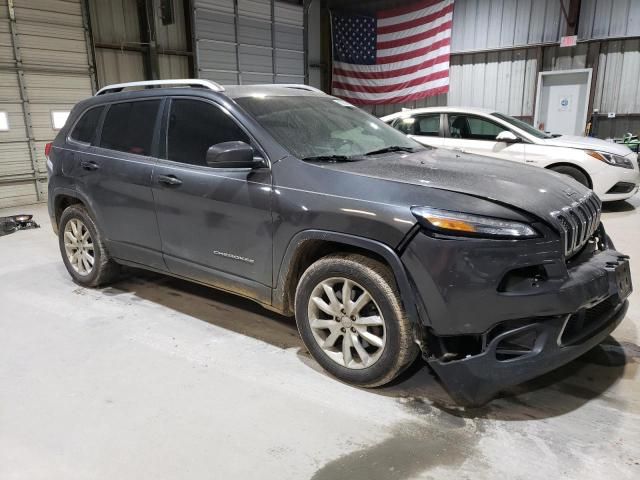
[(346, 323)]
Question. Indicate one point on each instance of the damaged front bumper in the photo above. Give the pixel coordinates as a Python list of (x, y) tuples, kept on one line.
[(484, 333), (506, 360)]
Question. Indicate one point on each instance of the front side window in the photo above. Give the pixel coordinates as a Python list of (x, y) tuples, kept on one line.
[(428, 125), (128, 127), (473, 128), (85, 129), (194, 126), (406, 125), (314, 126), (522, 125)]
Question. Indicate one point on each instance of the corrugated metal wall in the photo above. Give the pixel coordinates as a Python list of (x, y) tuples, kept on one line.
[(44, 67), (609, 18), (499, 46), (249, 41), (489, 24), (119, 46), (618, 70)]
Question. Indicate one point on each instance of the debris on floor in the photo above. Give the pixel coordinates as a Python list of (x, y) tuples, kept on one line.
[(16, 222)]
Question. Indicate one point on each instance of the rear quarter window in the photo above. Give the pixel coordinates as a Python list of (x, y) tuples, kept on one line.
[(86, 128)]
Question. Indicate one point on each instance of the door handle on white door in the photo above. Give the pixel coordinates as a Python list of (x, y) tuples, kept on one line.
[(458, 149)]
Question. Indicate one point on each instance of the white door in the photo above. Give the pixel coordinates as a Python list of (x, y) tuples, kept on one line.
[(563, 99), (477, 135)]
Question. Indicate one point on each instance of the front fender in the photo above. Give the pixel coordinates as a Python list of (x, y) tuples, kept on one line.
[(407, 294)]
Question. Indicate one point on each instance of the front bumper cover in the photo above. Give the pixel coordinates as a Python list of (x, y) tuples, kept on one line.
[(461, 301), (474, 380)]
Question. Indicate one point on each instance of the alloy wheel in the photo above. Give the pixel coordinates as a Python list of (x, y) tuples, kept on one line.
[(346, 323), (78, 246)]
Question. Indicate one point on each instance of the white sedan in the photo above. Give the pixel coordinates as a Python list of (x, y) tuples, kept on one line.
[(610, 169)]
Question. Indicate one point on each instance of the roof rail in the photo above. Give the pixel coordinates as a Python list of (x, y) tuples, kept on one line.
[(185, 82), (300, 86)]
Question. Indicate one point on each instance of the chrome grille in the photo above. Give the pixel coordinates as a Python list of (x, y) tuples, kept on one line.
[(578, 222)]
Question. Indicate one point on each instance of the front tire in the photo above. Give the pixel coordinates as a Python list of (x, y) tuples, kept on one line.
[(351, 319), (574, 173), (83, 251)]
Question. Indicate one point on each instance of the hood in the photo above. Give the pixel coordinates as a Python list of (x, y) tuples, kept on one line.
[(531, 189), (590, 143)]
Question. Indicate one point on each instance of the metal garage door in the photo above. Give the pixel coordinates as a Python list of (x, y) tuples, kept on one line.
[(44, 70), (249, 41)]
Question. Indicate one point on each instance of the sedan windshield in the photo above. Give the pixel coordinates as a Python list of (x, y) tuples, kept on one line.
[(522, 125), (325, 128)]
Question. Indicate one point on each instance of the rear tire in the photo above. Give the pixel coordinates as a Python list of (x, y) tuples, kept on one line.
[(365, 341), (82, 248), (574, 173)]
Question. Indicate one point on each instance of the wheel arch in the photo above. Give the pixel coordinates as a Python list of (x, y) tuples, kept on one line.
[(64, 198), (308, 246), (572, 165)]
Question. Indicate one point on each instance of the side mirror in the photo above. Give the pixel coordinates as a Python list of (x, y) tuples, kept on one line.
[(232, 155), (507, 137)]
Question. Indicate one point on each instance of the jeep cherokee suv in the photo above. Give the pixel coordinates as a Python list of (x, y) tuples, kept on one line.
[(382, 248)]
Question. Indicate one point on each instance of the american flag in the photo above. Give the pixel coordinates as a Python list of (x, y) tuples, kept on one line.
[(398, 55)]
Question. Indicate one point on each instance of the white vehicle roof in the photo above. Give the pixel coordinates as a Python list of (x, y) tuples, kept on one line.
[(417, 111), (567, 141)]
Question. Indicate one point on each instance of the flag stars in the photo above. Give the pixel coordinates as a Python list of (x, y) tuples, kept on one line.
[(354, 39)]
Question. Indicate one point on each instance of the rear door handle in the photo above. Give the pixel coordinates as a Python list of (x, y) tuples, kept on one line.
[(89, 165), (169, 180)]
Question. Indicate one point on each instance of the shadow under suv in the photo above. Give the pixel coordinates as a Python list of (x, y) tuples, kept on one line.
[(382, 248)]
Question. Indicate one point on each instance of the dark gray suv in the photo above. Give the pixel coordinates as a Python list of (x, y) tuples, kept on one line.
[(382, 249)]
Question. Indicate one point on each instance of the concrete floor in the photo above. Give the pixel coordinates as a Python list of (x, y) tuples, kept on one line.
[(155, 378)]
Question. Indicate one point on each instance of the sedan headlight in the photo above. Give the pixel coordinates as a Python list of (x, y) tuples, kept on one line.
[(457, 223), (611, 159)]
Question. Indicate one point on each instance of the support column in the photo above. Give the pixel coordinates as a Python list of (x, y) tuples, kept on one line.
[(26, 107)]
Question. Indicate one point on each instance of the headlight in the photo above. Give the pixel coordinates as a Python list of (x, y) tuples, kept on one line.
[(611, 159), (456, 223)]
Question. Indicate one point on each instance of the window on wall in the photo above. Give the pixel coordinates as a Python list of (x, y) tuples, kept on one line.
[(85, 129), (128, 127), (4, 122), (59, 118), (194, 126)]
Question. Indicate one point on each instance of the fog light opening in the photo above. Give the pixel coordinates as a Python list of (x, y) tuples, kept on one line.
[(516, 346)]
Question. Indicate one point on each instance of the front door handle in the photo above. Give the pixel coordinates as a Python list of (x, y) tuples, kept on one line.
[(458, 149), (169, 180), (89, 165)]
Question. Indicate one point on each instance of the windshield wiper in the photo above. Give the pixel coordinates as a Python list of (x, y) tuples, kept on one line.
[(328, 158), (393, 148)]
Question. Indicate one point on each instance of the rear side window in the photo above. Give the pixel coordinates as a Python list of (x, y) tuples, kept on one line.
[(194, 126), (128, 127), (428, 125), (473, 128), (85, 129)]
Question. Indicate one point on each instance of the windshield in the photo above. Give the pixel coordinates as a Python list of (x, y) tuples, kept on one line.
[(314, 126), (522, 126)]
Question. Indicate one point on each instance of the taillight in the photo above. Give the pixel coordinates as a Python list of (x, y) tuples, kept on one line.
[(47, 149)]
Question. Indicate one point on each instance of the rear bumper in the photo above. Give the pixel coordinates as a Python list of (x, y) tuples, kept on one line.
[(476, 379)]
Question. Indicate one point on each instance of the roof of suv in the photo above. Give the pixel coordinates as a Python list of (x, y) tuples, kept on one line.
[(238, 91), (232, 91)]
